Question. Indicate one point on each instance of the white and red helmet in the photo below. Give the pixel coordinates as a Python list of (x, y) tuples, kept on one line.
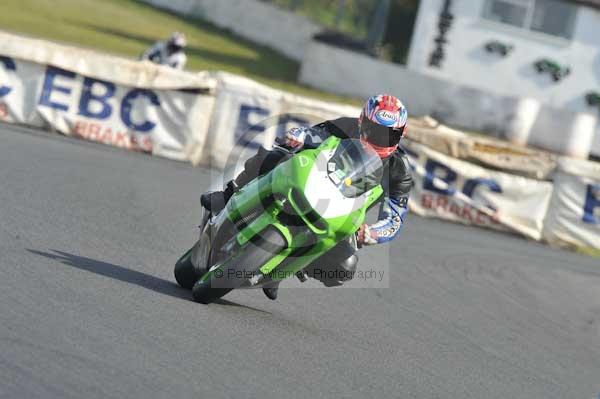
[(382, 123)]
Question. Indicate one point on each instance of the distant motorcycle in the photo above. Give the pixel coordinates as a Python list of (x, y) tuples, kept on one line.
[(283, 221), (555, 70)]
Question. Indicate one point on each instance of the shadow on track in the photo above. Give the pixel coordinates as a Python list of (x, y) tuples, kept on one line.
[(116, 272), (121, 273)]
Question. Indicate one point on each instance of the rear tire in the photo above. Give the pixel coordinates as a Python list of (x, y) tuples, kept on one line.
[(185, 274), (249, 260)]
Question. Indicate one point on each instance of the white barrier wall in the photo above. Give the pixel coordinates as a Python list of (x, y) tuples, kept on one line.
[(35, 91), (258, 21), (93, 64), (459, 191), (574, 215), (354, 74)]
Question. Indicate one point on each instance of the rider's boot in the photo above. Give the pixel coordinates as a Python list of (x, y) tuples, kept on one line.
[(271, 291), (215, 201)]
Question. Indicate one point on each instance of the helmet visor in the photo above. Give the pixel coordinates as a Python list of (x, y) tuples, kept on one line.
[(379, 135), (173, 47)]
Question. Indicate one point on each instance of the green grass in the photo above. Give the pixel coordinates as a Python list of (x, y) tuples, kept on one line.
[(128, 27), (355, 17), (589, 251)]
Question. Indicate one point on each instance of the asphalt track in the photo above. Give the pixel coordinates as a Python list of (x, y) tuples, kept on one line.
[(89, 307)]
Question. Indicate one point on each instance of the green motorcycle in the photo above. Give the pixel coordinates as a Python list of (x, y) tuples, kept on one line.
[(283, 221)]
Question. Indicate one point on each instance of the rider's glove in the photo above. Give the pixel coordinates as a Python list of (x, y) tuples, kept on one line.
[(391, 219), (365, 236), (294, 138)]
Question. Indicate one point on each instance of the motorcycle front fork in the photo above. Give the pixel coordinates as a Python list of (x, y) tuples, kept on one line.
[(204, 216)]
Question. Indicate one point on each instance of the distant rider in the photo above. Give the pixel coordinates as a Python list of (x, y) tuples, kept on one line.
[(381, 125), (170, 52)]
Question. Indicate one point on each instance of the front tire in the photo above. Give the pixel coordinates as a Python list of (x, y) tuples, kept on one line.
[(185, 274), (235, 271)]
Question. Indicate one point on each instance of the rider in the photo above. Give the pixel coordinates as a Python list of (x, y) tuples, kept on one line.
[(381, 125), (169, 52)]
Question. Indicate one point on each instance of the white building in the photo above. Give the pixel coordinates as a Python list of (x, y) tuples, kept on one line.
[(565, 32)]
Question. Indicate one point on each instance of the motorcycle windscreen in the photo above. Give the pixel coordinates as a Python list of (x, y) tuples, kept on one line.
[(354, 168)]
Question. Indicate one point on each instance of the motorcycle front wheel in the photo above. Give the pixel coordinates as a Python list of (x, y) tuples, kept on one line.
[(236, 270), (185, 274)]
